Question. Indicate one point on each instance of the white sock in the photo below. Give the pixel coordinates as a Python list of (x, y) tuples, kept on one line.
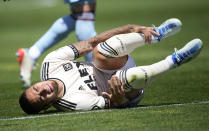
[(122, 44), (142, 76)]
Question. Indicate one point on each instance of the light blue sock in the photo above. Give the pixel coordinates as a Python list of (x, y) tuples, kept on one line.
[(84, 30), (58, 31)]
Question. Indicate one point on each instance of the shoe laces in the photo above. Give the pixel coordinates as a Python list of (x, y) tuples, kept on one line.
[(154, 27), (178, 58), (158, 37), (162, 30)]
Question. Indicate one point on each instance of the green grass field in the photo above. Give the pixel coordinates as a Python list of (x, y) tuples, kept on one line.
[(176, 101)]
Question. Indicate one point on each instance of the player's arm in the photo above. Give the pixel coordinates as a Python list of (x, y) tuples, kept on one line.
[(86, 100), (84, 47)]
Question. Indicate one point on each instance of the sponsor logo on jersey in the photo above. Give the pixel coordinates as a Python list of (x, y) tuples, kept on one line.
[(90, 79), (67, 66)]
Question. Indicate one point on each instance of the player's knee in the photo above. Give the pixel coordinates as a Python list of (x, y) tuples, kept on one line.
[(62, 26), (111, 48), (103, 62), (97, 55)]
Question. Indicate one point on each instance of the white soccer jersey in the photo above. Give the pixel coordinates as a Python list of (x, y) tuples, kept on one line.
[(83, 82), (80, 89)]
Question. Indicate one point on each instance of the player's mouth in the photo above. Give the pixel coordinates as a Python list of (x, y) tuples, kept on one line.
[(49, 88)]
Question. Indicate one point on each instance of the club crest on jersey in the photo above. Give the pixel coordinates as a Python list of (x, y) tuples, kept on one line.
[(67, 66)]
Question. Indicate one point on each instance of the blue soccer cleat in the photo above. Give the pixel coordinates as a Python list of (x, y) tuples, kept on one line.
[(168, 28), (188, 52)]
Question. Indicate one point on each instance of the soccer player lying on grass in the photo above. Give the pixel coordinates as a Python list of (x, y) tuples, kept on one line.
[(112, 80)]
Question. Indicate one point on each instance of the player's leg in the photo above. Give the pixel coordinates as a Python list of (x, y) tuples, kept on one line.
[(124, 44), (111, 54), (85, 29), (28, 57), (57, 32), (140, 77)]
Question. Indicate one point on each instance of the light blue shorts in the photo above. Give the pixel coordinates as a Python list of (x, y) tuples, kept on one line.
[(79, 1), (73, 3)]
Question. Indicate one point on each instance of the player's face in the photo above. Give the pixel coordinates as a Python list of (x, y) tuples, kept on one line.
[(43, 94)]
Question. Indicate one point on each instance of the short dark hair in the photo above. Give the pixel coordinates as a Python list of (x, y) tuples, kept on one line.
[(26, 105)]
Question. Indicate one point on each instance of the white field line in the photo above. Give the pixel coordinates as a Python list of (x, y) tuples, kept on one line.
[(86, 112)]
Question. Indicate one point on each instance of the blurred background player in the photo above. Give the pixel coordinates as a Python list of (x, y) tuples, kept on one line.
[(81, 20)]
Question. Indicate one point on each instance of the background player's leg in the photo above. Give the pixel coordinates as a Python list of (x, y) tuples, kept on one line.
[(27, 58), (58, 31), (85, 29)]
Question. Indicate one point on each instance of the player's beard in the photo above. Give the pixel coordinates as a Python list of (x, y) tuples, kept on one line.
[(54, 98), (55, 86)]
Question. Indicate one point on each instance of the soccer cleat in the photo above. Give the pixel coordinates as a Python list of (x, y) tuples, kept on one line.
[(168, 28), (189, 51), (134, 102), (26, 66)]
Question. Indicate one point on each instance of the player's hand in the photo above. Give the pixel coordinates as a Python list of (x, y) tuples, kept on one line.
[(148, 32), (117, 95)]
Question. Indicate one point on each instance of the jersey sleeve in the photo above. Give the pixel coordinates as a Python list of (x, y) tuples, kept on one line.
[(64, 53), (83, 100)]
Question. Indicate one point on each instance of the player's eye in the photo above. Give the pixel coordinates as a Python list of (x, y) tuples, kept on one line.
[(34, 88)]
